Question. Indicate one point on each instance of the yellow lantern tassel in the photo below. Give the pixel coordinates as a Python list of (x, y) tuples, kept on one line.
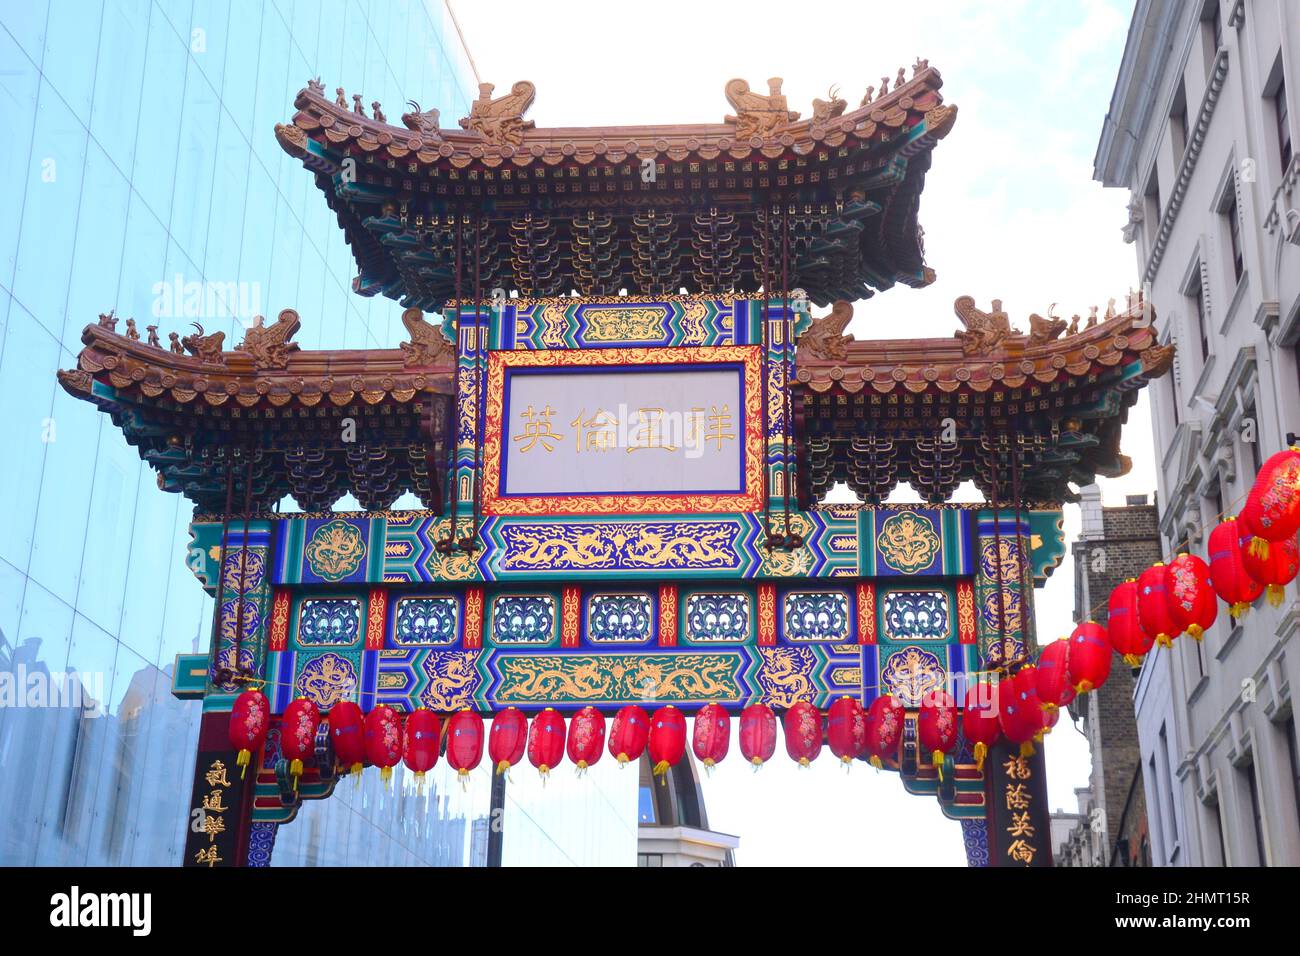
[(1275, 594), (295, 768), (622, 761), (875, 762), (1164, 640), (545, 772), (661, 771), (1132, 660), (757, 762), (356, 768), (936, 761), (582, 769), (242, 760), (981, 751), (1238, 609), (1048, 706), (386, 775), (464, 779), (502, 767), (1083, 687), (1027, 749), (803, 762), (1259, 547), (419, 783), (1195, 630)]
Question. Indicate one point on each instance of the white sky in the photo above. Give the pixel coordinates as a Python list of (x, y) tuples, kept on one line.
[(1010, 211)]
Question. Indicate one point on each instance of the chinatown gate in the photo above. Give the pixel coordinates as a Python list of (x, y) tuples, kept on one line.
[(619, 412)]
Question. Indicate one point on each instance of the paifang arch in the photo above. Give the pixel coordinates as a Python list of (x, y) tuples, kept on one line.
[(619, 414)]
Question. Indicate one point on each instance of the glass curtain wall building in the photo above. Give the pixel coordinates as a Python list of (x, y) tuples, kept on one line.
[(143, 176)]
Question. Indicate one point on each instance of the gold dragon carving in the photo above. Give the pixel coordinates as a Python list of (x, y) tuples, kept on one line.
[(756, 114), (500, 121)]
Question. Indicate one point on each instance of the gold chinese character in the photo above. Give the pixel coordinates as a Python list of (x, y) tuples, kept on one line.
[(213, 825), (601, 430), (537, 429), (720, 425), (1020, 825), (1021, 852), (1017, 768), (650, 433), (216, 775), (209, 856), (213, 802), (1017, 797)]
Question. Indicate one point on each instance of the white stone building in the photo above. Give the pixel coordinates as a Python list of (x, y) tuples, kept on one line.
[(1202, 129)]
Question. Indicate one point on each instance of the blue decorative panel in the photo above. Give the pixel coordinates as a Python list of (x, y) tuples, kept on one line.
[(975, 838), (329, 622), (718, 618), (923, 615), (817, 616), (620, 618), (426, 622), (329, 677), (523, 619), (911, 673)]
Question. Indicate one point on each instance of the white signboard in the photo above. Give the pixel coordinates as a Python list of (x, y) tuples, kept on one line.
[(623, 432)]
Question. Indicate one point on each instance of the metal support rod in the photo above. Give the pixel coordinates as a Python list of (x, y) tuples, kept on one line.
[(496, 818)]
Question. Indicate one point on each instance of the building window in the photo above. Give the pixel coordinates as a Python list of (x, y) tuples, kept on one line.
[(1173, 400), (1197, 294), (650, 859), (1257, 818), (1178, 122), (1234, 239), (646, 805), (1153, 202), (1283, 126), (1216, 820), (1294, 753), (1169, 819)]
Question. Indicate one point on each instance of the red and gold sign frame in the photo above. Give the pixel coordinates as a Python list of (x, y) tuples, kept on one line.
[(747, 357)]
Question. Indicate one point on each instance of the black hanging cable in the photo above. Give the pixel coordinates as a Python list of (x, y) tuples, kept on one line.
[(787, 407), (767, 366), (221, 571), (480, 353), (1022, 557), (242, 584), (997, 550), (446, 544)]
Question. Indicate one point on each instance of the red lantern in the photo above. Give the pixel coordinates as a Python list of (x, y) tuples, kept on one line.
[(546, 741), (347, 733), (508, 739), (1054, 688), (586, 737), (1088, 662), (298, 734), (1228, 574), (423, 729), (1272, 511), (884, 729), (250, 718), (628, 734), (803, 733), (711, 736), (1122, 624), (757, 734), (1191, 595), (846, 729), (1155, 605), (384, 740), (936, 727), (1275, 567), (667, 739), (464, 742), (1019, 711), (979, 719)]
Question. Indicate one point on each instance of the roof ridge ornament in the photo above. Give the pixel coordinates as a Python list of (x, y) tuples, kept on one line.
[(424, 122), (985, 331), (500, 121), (825, 338), (269, 344), (756, 114), (428, 346)]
